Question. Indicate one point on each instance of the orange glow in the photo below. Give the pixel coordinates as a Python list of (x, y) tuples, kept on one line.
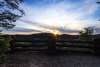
[(56, 33)]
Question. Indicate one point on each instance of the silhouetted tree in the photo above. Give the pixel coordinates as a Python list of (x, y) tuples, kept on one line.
[(98, 2), (97, 40), (86, 33), (10, 11)]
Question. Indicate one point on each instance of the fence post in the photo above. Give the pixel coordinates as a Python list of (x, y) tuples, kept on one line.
[(97, 45), (12, 43), (52, 44)]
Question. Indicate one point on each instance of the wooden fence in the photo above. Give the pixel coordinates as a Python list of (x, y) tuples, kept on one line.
[(51, 43)]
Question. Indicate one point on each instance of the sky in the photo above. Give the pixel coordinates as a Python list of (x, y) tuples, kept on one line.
[(57, 16)]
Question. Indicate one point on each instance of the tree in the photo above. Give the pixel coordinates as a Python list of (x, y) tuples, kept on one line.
[(98, 2), (10, 11), (86, 33)]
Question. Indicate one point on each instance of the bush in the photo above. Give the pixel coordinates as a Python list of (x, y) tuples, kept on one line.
[(4, 45)]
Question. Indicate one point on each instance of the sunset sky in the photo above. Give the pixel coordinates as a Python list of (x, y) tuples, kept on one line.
[(61, 16)]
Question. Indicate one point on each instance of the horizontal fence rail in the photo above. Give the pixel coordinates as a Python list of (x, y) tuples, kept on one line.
[(50, 43)]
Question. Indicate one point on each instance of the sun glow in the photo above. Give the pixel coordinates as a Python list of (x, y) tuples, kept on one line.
[(56, 32)]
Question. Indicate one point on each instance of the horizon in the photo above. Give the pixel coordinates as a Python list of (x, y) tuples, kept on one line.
[(57, 16)]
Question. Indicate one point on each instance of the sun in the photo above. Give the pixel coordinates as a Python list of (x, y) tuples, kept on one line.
[(56, 32)]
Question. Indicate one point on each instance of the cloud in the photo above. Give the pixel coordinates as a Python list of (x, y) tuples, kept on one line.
[(73, 16), (20, 30)]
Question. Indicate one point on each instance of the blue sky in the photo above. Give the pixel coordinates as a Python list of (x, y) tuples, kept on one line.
[(61, 16)]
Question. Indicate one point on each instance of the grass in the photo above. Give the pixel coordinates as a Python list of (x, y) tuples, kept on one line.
[(25, 43)]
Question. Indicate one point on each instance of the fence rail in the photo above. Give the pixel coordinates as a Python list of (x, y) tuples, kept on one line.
[(52, 43)]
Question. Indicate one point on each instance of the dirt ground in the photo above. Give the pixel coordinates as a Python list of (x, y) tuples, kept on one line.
[(39, 59)]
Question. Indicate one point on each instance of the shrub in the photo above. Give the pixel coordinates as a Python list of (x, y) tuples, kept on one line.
[(4, 45)]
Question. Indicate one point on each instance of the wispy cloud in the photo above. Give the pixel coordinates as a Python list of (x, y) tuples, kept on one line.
[(72, 16)]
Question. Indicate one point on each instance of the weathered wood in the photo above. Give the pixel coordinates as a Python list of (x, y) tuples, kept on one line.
[(52, 45), (49, 41), (97, 45), (12, 43), (35, 41), (75, 41), (77, 46)]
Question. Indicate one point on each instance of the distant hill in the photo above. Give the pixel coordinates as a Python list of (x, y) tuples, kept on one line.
[(50, 35)]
